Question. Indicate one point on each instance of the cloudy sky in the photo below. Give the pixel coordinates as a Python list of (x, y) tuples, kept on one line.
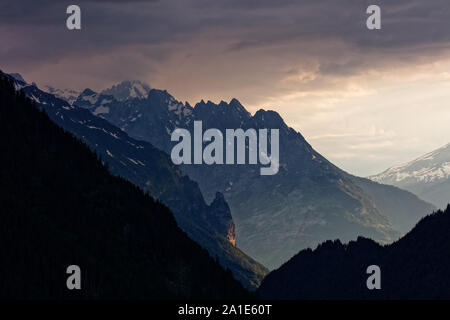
[(365, 99)]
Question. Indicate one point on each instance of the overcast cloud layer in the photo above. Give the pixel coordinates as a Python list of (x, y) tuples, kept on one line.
[(365, 99)]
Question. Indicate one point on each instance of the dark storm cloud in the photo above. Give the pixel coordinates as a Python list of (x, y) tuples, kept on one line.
[(35, 33), (404, 21)]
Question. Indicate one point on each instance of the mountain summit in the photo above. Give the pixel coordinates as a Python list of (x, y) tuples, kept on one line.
[(128, 89)]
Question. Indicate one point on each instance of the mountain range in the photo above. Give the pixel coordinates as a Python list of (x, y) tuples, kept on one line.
[(308, 201), (427, 176), (60, 206), (271, 218), (149, 168), (414, 267)]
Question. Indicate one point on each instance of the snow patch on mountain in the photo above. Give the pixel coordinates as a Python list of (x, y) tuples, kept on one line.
[(101, 110), (109, 153), (92, 99), (19, 86)]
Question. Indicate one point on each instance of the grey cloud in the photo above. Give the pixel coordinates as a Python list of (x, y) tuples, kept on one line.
[(160, 29), (251, 23)]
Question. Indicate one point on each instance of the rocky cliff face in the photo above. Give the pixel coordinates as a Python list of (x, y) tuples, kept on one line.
[(221, 218)]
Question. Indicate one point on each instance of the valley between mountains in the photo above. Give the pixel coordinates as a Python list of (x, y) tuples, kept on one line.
[(250, 223), (308, 201)]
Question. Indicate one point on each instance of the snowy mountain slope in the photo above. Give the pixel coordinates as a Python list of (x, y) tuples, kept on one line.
[(427, 176), (66, 94)]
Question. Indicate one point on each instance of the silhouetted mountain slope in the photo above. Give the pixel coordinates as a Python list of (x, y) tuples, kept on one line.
[(211, 226), (60, 206), (415, 267), (308, 201)]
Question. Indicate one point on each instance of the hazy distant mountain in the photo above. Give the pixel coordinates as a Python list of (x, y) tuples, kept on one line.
[(427, 176), (402, 208), (151, 169), (60, 206), (308, 201), (415, 267)]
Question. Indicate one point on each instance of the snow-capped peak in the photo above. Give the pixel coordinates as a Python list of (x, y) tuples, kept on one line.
[(128, 90), (431, 167)]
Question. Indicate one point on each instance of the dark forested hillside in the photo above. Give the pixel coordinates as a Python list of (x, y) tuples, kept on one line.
[(60, 206), (415, 267)]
